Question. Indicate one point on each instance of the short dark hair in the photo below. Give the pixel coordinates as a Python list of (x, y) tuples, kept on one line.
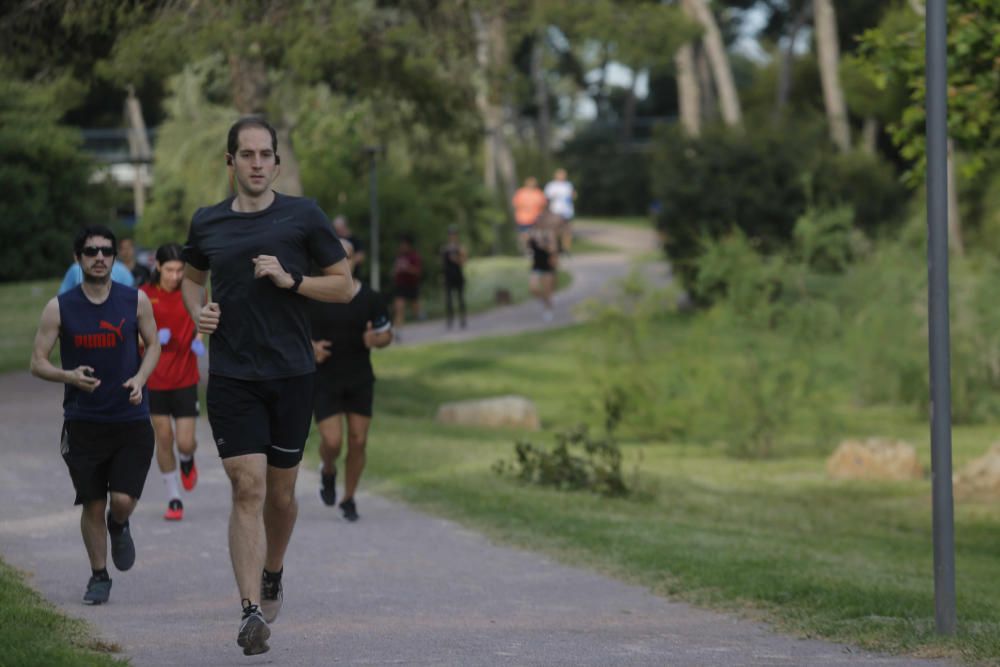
[(233, 140), (93, 230)]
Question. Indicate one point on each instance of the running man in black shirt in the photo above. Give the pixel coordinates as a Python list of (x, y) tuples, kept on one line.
[(453, 258), (343, 337), (257, 245)]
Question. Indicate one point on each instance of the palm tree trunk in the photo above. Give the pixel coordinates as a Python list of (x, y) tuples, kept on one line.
[(543, 123), (725, 85), (828, 53), (688, 95)]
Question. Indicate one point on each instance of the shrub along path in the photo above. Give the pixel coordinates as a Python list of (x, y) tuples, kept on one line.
[(398, 587)]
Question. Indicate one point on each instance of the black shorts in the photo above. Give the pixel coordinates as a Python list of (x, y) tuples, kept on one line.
[(261, 417), (174, 402), (408, 292), (102, 457), (330, 399)]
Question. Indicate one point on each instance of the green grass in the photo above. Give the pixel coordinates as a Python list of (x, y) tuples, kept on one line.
[(630, 221), (35, 633), (483, 277), (772, 539), (22, 307)]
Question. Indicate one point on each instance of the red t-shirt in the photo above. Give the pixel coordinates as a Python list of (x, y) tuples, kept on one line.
[(178, 367), (408, 269)]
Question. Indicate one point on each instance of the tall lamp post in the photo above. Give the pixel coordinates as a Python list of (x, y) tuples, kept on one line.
[(373, 152), (940, 344)]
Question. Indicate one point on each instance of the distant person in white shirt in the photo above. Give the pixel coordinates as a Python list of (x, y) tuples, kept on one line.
[(561, 194)]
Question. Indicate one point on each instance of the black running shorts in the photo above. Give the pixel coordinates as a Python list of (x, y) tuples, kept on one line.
[(261, 417), (102, 457), (174, 402), (330, 400)]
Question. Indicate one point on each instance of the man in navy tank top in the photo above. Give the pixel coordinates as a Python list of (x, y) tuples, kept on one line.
[(107, 439), (258, 246)]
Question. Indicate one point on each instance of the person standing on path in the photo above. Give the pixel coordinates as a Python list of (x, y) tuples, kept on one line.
[(407, 272), (529, 203), (257, 245), (344, 335), (561, 195), (544, 263), (453, 257), (107, 440), (173, 386)]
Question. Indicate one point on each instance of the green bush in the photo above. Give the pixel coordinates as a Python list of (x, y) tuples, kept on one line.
[(761, 182), (47, 177), (611, 178)]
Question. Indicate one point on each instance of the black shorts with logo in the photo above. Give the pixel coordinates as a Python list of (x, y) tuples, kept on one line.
[(107, 456), (269, 417), (174, 402), (332, 399)]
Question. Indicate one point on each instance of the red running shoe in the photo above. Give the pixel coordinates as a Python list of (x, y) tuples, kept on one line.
[(189, 474), (175, 510)]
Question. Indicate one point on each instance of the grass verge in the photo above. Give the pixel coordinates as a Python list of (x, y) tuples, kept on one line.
[(773, 539), (35, 633)]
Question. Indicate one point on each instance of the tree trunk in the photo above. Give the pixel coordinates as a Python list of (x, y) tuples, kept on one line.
[(869, 134), (688, 96), (628, 113), (788, 58), (954, 216), (828, 53), (725, 85), (543, 123), (709, 100)]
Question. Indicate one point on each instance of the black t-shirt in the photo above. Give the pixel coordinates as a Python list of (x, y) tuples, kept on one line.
[(263, 329), (141, 274), (453, 274), (541, 258), (344, 324)]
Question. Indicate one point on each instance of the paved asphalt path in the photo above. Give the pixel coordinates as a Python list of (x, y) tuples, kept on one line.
[(397, 588)]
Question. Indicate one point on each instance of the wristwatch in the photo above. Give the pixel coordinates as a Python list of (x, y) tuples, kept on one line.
[(296, 280)]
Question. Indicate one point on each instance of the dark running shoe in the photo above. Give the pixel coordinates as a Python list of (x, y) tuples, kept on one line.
[(122, 546), (175, 510), (349, 509), (189, 474), (271, 596), (254, 633), (328, 487), (98, 591)]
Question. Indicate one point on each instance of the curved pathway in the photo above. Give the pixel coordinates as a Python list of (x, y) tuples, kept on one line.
[(397, 588)]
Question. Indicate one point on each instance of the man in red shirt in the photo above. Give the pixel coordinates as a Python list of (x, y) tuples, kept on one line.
[(173, 386), (407, 272)]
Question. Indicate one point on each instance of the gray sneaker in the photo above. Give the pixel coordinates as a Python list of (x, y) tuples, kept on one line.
[(271, 597), (254, 633), (122, 546), (98, 591)]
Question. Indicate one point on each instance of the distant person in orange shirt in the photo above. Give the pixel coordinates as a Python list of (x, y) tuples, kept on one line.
[(529, 203)]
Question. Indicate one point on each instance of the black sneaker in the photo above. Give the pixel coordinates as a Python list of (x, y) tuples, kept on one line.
[(254, 633), (122, 546), (98, 591), (271, 596), (328, 487), (349, 510)]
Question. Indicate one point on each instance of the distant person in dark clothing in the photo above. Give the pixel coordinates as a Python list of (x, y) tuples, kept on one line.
[(343, 337), (453, 257), (544, 246), (126, 255), (407, 272), (107, 440), (340, 225)]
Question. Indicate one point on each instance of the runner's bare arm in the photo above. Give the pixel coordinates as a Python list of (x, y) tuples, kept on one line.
[(336, 285), (148, 334), (205, 314), (41, 364)]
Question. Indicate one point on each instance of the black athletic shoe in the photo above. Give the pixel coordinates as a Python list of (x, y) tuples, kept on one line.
[(98, 591), (328, 487), (254, 633), (271, 597), (122, 546), (349, 510)]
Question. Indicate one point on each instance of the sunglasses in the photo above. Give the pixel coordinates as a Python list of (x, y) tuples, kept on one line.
[(91, 251)]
